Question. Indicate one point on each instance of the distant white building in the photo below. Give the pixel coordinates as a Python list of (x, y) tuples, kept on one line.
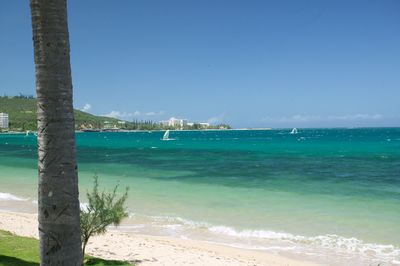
[(204, 124), (184, 122), (175, 122), (3, 120), (108, 125)]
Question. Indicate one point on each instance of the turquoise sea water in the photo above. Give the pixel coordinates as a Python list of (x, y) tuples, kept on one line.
[(332, 195)]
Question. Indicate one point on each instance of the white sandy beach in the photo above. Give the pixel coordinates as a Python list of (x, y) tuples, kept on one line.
[(153, 250)]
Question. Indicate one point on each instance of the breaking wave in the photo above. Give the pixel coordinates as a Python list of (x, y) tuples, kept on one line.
[(9, 197), (268, 240)]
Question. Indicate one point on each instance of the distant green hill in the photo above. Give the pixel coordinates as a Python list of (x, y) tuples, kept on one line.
[(21, 111), (22, 114)]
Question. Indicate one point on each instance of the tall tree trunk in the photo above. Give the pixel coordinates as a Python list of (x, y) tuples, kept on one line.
[(59, 223)]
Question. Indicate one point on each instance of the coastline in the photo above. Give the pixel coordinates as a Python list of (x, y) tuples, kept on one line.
[(154, 250), (150, 130)]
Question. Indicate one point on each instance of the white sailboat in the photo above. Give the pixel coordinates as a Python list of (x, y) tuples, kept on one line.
[(166, 135), (294, 131)]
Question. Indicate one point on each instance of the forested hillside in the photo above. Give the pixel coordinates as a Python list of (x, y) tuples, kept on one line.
[(22, 114)]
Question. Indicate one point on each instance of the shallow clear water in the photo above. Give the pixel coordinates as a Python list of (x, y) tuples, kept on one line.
[(322, 191)]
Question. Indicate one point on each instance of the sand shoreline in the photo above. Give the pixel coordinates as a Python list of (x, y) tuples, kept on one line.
[(154, 250)]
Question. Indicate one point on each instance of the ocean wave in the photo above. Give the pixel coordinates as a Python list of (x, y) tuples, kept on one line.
[(176, 220), (10, 197), (254, 239), (328, 241)]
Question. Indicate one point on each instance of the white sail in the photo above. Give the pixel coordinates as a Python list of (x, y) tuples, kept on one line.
[(166, 135), (294, 131)]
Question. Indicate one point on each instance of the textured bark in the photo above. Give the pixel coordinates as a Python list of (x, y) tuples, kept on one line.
[(59, 223)]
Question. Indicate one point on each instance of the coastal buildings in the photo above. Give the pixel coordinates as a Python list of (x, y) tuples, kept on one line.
[(177, 123), (204, 125), (109, 126), (3, 120), (174, 122)]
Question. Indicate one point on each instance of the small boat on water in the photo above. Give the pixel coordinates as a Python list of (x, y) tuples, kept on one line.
[(294, 131), (166, 135)]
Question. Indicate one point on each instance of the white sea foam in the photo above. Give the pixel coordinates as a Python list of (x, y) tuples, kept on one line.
[(265, 239), (10, 197), (329, 241), (177, 219)]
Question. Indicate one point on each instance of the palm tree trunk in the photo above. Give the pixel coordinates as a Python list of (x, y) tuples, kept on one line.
[(59, 223)]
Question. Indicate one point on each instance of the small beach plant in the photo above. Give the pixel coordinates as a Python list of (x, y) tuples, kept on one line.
[(104, 209)]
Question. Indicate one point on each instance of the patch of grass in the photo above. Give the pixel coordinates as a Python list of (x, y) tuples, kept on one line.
[(15, 250), (12, 261), (24, 251)]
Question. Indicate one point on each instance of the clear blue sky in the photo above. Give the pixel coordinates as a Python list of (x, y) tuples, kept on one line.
[(246, 63)]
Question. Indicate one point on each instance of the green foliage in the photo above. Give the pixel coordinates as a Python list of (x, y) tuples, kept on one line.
[(21, 111), (104, 209), (143, 125), (24, 251)]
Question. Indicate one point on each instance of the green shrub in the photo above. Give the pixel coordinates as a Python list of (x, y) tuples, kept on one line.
[(104, 209)]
